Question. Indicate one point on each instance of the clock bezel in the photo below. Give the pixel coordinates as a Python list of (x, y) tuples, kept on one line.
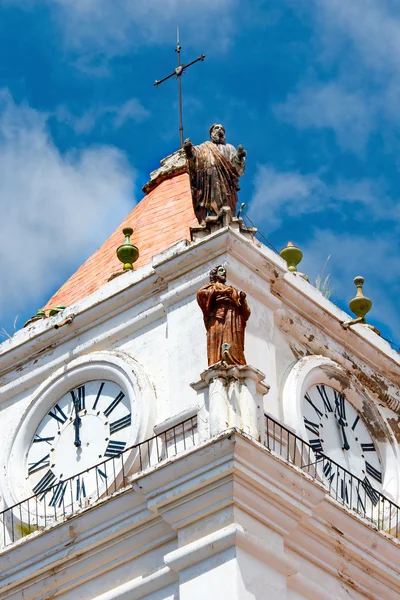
[(313, 370), (117, 367)]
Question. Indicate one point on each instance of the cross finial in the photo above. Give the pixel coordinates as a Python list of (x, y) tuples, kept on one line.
[(178, 72)]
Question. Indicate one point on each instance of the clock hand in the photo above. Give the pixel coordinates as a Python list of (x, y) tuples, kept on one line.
[(77, 424), (339, 401), (342, 424), (346, 445)]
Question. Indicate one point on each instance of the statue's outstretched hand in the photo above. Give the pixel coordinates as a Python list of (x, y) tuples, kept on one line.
[(241, 152), (188, 148)]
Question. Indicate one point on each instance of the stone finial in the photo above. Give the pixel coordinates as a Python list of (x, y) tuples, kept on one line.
[(292, 255), (127, 253), (360, 305)]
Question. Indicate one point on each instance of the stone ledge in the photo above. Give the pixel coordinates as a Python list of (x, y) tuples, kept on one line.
[(223, 219), (174, 164)]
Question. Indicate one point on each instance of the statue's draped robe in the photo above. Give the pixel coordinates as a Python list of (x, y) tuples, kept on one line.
[(225, 315), (214, 175)]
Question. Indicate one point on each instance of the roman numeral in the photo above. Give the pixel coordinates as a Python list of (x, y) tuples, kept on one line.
[(38, 439), (58, 494), (312, 427), (377, 475), (322, 392), (319, 413), (61, 417), (316, 446), (371, 493), (114, 404), (114, 448), (340, 405), (360, 502), (327, 470), (355, 422), (102, 474), (98, 396), (80, 489), (368, 447), (78, 397), (45, 483), (125, 422), (40, 464), (344, 491)]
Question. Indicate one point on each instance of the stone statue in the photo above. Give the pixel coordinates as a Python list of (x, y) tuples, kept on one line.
[(214, 169), (225, 313)]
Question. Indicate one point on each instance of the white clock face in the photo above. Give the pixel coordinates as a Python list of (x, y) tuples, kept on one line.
[(335, 428), (86, 426)]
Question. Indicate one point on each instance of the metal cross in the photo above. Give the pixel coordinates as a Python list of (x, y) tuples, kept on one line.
[(178, 72)]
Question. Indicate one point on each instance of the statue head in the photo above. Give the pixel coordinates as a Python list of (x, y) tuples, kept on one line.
[(218, 274), (217, 133)]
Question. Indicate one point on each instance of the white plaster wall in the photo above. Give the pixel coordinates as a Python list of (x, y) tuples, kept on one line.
[(165, 333), (215, 577)]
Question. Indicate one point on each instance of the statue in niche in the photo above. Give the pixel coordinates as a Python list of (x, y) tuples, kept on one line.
[(225, 313), (214, 170)]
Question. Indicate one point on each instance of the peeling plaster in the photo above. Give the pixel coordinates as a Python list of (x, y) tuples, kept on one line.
[(305, 339)]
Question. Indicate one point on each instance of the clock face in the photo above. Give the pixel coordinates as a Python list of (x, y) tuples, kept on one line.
[(335, 428), (86, 426)]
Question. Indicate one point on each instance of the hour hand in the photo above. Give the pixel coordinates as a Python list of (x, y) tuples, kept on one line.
[(341, 416), (346, 445), (77, 424)]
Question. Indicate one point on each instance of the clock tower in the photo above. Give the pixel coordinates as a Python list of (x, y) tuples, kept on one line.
[(189, 417)]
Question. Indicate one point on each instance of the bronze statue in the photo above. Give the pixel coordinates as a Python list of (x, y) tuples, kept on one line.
[(225, 312), (214, 169)]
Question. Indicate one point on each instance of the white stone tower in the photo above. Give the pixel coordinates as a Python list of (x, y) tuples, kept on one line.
[(131, 469)]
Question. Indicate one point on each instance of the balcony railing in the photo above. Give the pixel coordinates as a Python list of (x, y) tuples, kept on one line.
[(356, 494), (55, 504)]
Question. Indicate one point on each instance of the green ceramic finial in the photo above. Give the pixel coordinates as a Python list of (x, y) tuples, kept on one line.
[(360, 305), (56, 309), (39, 315), (292, 255), (127, 253)]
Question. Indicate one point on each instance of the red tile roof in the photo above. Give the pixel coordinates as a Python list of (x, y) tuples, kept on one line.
[(161, 219)]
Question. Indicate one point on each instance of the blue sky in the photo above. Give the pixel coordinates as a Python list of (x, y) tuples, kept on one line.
[(311, 88)]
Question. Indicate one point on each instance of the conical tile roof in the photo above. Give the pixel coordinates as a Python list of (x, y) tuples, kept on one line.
[(162, 218)]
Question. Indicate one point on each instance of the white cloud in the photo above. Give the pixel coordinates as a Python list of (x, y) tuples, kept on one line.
[(55, 208), (112, 26), (284, 193), (291, 194), (114, 116), (372, 27), (359, 42), (331, 106), (351, 254)]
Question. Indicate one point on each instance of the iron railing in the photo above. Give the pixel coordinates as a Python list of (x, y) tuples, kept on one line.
[(56, 503), (356, 494)]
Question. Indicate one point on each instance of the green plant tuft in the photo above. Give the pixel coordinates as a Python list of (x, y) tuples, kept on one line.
[(323, 282)]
